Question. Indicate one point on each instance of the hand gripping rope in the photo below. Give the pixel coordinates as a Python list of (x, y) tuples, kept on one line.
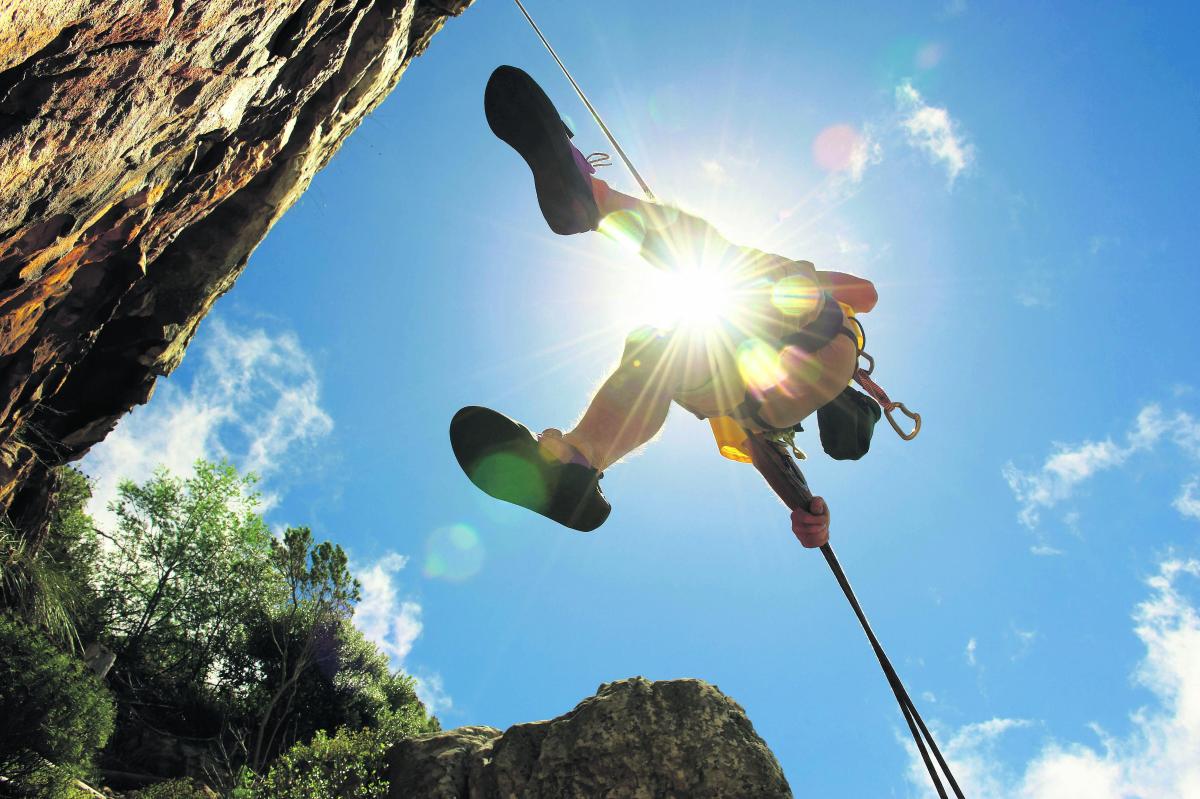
[(781, 473)]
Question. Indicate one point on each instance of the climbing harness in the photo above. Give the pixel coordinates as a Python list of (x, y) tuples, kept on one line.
[(769, 452)]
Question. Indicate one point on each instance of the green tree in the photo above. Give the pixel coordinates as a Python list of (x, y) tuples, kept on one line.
[(188, 562), (303, 630), (224, 635)]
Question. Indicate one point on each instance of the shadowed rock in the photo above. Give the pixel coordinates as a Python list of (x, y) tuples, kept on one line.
[(635, 739)]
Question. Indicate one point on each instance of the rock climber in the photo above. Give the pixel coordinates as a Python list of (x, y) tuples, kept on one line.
[(788, 350)]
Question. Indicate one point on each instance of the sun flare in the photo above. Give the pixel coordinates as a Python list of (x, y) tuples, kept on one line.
[(697, 298)]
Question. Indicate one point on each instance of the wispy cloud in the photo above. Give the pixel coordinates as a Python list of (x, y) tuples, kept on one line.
[(934, 131), (1188, 501), (866, 152), (1024, 640), (432, 692), (969, 652), (254, 398), (393, 622), (1072, 465), (971, 753), (955, 8), (1156, 758)]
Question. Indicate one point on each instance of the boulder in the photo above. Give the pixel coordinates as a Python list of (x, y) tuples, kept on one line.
[(635, 739)]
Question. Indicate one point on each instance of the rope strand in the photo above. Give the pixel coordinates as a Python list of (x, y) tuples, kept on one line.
[(595, 114), (785, 478)]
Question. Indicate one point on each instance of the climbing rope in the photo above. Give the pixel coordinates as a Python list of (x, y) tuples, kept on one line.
[(595, 114), (781, 473), (775, 464)]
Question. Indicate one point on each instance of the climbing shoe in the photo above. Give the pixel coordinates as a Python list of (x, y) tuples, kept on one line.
[(503, 459), (521, 115)]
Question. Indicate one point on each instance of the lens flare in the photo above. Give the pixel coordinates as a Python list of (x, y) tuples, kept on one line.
[(835, 148), (510, 478), (626, 228), (759, 365), (930, 55), (453, 553), (795, 295)]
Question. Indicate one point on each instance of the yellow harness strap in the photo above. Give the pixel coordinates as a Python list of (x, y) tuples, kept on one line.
[(732, 439)]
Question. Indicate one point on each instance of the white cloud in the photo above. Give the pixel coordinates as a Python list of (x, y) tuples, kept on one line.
[(1070, 466), (933, 130), (1024, 640), (432, 693), (850, 246), (971, 755), (252, 399), (1157, 758), (1188, 501), (394, 623), (714, 171), (972, 645), (1187, 433), (867, 151)]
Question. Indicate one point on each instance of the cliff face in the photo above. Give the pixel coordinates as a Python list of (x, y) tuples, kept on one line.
[(634, 739), (146, 147)]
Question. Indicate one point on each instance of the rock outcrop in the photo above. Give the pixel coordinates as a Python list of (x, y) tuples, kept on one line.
[(635, 739), (146, 147)]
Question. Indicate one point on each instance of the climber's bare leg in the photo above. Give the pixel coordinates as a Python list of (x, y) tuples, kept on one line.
[(669, 237), (629, 408)]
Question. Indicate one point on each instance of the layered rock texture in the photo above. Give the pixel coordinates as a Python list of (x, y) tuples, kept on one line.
[(635, 739), (146, 147)]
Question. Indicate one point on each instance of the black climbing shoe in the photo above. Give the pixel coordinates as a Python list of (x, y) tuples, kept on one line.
[(521, 114), (502, 458)]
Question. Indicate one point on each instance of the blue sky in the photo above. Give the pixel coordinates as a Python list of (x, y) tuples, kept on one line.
[(1019, 183)]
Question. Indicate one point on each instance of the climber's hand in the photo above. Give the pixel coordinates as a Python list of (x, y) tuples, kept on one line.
[(812, 526)]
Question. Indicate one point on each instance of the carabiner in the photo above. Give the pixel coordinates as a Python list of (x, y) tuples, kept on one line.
[(916, 417)]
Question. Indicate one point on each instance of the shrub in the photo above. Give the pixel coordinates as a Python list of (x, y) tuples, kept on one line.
[(350, 764), (56, 713), (185, 788)]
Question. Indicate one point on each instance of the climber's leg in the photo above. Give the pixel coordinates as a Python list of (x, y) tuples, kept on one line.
[(630, 407), (665, 236)]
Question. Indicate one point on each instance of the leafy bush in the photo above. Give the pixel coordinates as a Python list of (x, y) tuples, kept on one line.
[(48, 582), (350, 764), (55, 712), (184, 788)]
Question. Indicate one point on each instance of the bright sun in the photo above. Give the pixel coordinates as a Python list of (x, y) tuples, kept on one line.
[(695, 298)]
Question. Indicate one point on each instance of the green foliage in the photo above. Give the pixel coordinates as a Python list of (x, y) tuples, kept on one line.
[(185, 788), (188, 562), (350, 764), (49, 585), (55, 712), (306, 633), (225, 636)]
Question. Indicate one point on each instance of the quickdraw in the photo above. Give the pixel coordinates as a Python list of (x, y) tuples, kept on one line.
[(876, 392)]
